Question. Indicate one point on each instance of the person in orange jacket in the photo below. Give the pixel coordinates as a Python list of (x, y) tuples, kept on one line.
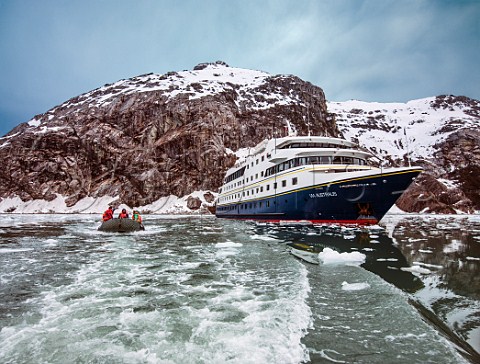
[(108, 214), (123, 214)]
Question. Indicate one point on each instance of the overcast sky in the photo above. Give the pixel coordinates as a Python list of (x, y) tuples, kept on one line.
[(372, 50)]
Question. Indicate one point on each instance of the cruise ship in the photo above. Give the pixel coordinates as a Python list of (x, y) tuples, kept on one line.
[(316, 179)]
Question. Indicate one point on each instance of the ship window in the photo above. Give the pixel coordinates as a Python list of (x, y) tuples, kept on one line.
[(325, 160), (261, 189), (337, 160), (284, 183), (261, 174), (263, 158), (256, 162), (237, 174), (348, 160), (294, 180), (268, 203), (275, 185), (256, 175), (268, 187)]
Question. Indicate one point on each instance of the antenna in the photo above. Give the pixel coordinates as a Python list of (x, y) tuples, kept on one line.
[(308, 119)]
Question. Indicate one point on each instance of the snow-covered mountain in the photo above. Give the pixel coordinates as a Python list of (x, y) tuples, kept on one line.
[(140, 141), (415, 128), (441, 133), (164, 142)]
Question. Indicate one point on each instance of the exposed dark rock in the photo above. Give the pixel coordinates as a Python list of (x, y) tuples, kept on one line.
[(158, 135), (193, 203), (149, 136)]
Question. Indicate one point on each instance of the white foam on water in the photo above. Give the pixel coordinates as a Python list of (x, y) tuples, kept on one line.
[(228, 244), (14, 250), (267, 329)]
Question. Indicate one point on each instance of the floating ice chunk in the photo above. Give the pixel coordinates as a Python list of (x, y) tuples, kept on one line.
[(453, 247), (51, 242), (421, 264), (472, 258), (425, 251), (416, 269), (228, 244), (330, 256), (307, 256), (354, 286), (262, 237)]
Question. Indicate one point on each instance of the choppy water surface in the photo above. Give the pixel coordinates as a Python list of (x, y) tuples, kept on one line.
[(203, 290)]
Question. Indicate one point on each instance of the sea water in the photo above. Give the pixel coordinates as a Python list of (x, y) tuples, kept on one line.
[(206, 290)]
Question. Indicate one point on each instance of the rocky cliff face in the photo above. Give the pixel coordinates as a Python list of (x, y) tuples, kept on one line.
[(155, 135), (139, 141)]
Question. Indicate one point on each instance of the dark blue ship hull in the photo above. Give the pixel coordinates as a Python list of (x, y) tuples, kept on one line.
[(360, 200)]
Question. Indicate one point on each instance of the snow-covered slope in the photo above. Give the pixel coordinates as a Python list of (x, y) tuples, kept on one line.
[(207, 79), (415, 127)]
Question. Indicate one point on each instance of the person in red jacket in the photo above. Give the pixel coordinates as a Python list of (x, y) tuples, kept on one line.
[(123, 214), (108, 214)]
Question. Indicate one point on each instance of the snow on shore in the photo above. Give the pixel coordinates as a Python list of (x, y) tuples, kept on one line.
[(90, 205)]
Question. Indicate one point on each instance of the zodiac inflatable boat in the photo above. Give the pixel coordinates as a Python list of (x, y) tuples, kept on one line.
[(121, 226)]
